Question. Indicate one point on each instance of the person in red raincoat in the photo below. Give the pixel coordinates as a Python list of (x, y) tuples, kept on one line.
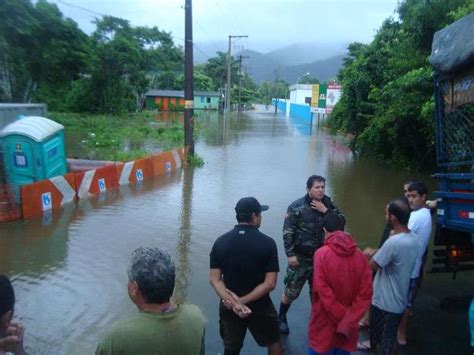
[(342, 291)]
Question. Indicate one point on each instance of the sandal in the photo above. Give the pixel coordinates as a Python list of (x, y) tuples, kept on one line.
[(363, 345)]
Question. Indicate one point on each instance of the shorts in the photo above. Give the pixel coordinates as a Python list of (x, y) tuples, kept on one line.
[(414, 284), (262, 323), (383, 330), (296, 277)]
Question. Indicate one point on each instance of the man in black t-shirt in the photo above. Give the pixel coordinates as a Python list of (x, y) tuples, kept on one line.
[(244, 269)]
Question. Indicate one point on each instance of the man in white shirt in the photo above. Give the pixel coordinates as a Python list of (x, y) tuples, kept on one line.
[(420, 223)]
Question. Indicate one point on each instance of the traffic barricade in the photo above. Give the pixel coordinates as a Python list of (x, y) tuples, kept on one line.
[(47, 195), (134, 172), (97, 181)]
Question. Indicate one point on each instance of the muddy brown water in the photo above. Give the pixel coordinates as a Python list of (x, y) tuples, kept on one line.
[(69, 268)]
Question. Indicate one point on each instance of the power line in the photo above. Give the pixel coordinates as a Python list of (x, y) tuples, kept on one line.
[(81, 8)]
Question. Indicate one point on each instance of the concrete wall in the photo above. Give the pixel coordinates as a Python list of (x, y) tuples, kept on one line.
[(301, 111), (10, 112)]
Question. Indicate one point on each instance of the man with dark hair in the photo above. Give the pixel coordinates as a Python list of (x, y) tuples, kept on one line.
[(11, 334), (303, 235), (160, 327), (244, 269), (342, 290), (419, 223), (394, 263)]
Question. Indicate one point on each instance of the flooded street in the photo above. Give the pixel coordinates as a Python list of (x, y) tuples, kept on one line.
[(69, 269)]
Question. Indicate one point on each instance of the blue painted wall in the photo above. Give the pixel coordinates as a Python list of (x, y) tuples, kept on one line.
[(281, 105), (301, 111)]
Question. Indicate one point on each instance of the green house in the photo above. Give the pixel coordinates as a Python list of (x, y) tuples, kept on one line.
[(173, 100)]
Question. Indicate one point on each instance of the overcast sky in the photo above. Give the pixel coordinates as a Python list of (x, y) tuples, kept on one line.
[(269, 24)]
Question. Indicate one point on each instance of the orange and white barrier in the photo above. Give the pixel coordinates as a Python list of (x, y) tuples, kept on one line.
[(48, 194), (52, 193), (94, 182), (134, 172)]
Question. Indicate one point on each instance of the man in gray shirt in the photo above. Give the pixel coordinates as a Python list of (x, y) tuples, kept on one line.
[(394, 263)]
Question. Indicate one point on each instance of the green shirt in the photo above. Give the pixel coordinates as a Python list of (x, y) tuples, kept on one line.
[(180, 332)]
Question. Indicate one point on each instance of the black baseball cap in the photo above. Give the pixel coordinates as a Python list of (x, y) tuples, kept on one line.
[(250, 205)]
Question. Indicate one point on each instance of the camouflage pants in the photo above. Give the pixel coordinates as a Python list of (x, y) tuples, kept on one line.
[(296, 277)]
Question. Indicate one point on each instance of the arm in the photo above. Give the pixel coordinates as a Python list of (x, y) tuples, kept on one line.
[(263, 289), (229, 300), (333, 308), (360, 304), (289, 231)]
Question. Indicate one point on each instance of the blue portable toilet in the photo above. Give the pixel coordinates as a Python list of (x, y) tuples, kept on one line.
[(33, 149)]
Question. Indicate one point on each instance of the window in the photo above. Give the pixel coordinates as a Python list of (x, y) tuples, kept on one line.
[(307, 100), (202, 99), (208, 100)]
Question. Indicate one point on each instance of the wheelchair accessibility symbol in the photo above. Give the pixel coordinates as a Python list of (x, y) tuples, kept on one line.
[(139, 174), (102, 186), (168, 167), (47, 201)]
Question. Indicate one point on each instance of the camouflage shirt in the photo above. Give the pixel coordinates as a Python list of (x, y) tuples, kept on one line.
[(303, 230)]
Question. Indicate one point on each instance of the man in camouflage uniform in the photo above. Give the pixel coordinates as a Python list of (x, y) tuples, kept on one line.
[(303, 235)]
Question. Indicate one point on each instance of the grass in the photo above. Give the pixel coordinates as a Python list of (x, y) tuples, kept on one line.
[(107, 134)]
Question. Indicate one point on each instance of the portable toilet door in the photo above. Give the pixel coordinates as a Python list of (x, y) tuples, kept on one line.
[(20, 159)]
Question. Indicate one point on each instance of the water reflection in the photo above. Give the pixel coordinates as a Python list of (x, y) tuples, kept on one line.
[(183, 246)]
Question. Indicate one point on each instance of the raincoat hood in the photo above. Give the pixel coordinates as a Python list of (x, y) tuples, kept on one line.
[(341, 243)]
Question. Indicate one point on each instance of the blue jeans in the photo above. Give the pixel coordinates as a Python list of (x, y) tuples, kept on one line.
[(332, 352)]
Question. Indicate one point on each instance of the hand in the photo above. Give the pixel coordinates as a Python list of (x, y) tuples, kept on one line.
[(13, 342), (236, 305), (318, 206), (293, 261), (369, 252)]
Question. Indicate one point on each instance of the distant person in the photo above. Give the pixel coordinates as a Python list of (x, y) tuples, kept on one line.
[(11, 334), (419, 223), (303, 235), (243, 272), (342, 291), (387, 229), (394, 263), (159, 327)]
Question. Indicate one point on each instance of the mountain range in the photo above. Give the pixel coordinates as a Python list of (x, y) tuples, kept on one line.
[(321, 60)]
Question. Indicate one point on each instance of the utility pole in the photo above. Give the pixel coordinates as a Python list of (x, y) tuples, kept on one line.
[(229, 68), (240, 81), (188, 79)]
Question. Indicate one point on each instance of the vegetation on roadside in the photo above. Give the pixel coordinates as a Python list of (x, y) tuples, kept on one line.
[(387, 102), (195, 160), (110, 133)]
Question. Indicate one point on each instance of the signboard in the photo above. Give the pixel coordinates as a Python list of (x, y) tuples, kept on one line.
[(102, 186), (46, 201), (139, 175), (314, 95), (322, 96), (333, 95), (318, 110)]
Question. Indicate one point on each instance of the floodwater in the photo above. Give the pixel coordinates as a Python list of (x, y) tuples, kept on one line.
[(69, 268)]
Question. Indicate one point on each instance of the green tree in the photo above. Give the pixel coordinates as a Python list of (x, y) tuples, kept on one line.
[(387, 100), (41, 52)]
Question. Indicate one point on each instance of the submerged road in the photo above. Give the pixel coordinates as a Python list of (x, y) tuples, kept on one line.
[(69, 271)]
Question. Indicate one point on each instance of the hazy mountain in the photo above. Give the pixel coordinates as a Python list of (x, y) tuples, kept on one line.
[(322, 60)]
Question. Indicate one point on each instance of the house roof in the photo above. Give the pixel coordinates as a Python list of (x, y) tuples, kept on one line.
[(179, 93)]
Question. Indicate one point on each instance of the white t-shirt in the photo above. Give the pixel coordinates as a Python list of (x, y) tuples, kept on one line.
[(420, 224)]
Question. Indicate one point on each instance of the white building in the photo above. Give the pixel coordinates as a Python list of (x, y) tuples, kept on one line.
[(301, 94)]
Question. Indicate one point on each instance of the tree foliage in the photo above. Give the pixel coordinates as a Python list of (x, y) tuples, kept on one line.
[(387, 102)]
